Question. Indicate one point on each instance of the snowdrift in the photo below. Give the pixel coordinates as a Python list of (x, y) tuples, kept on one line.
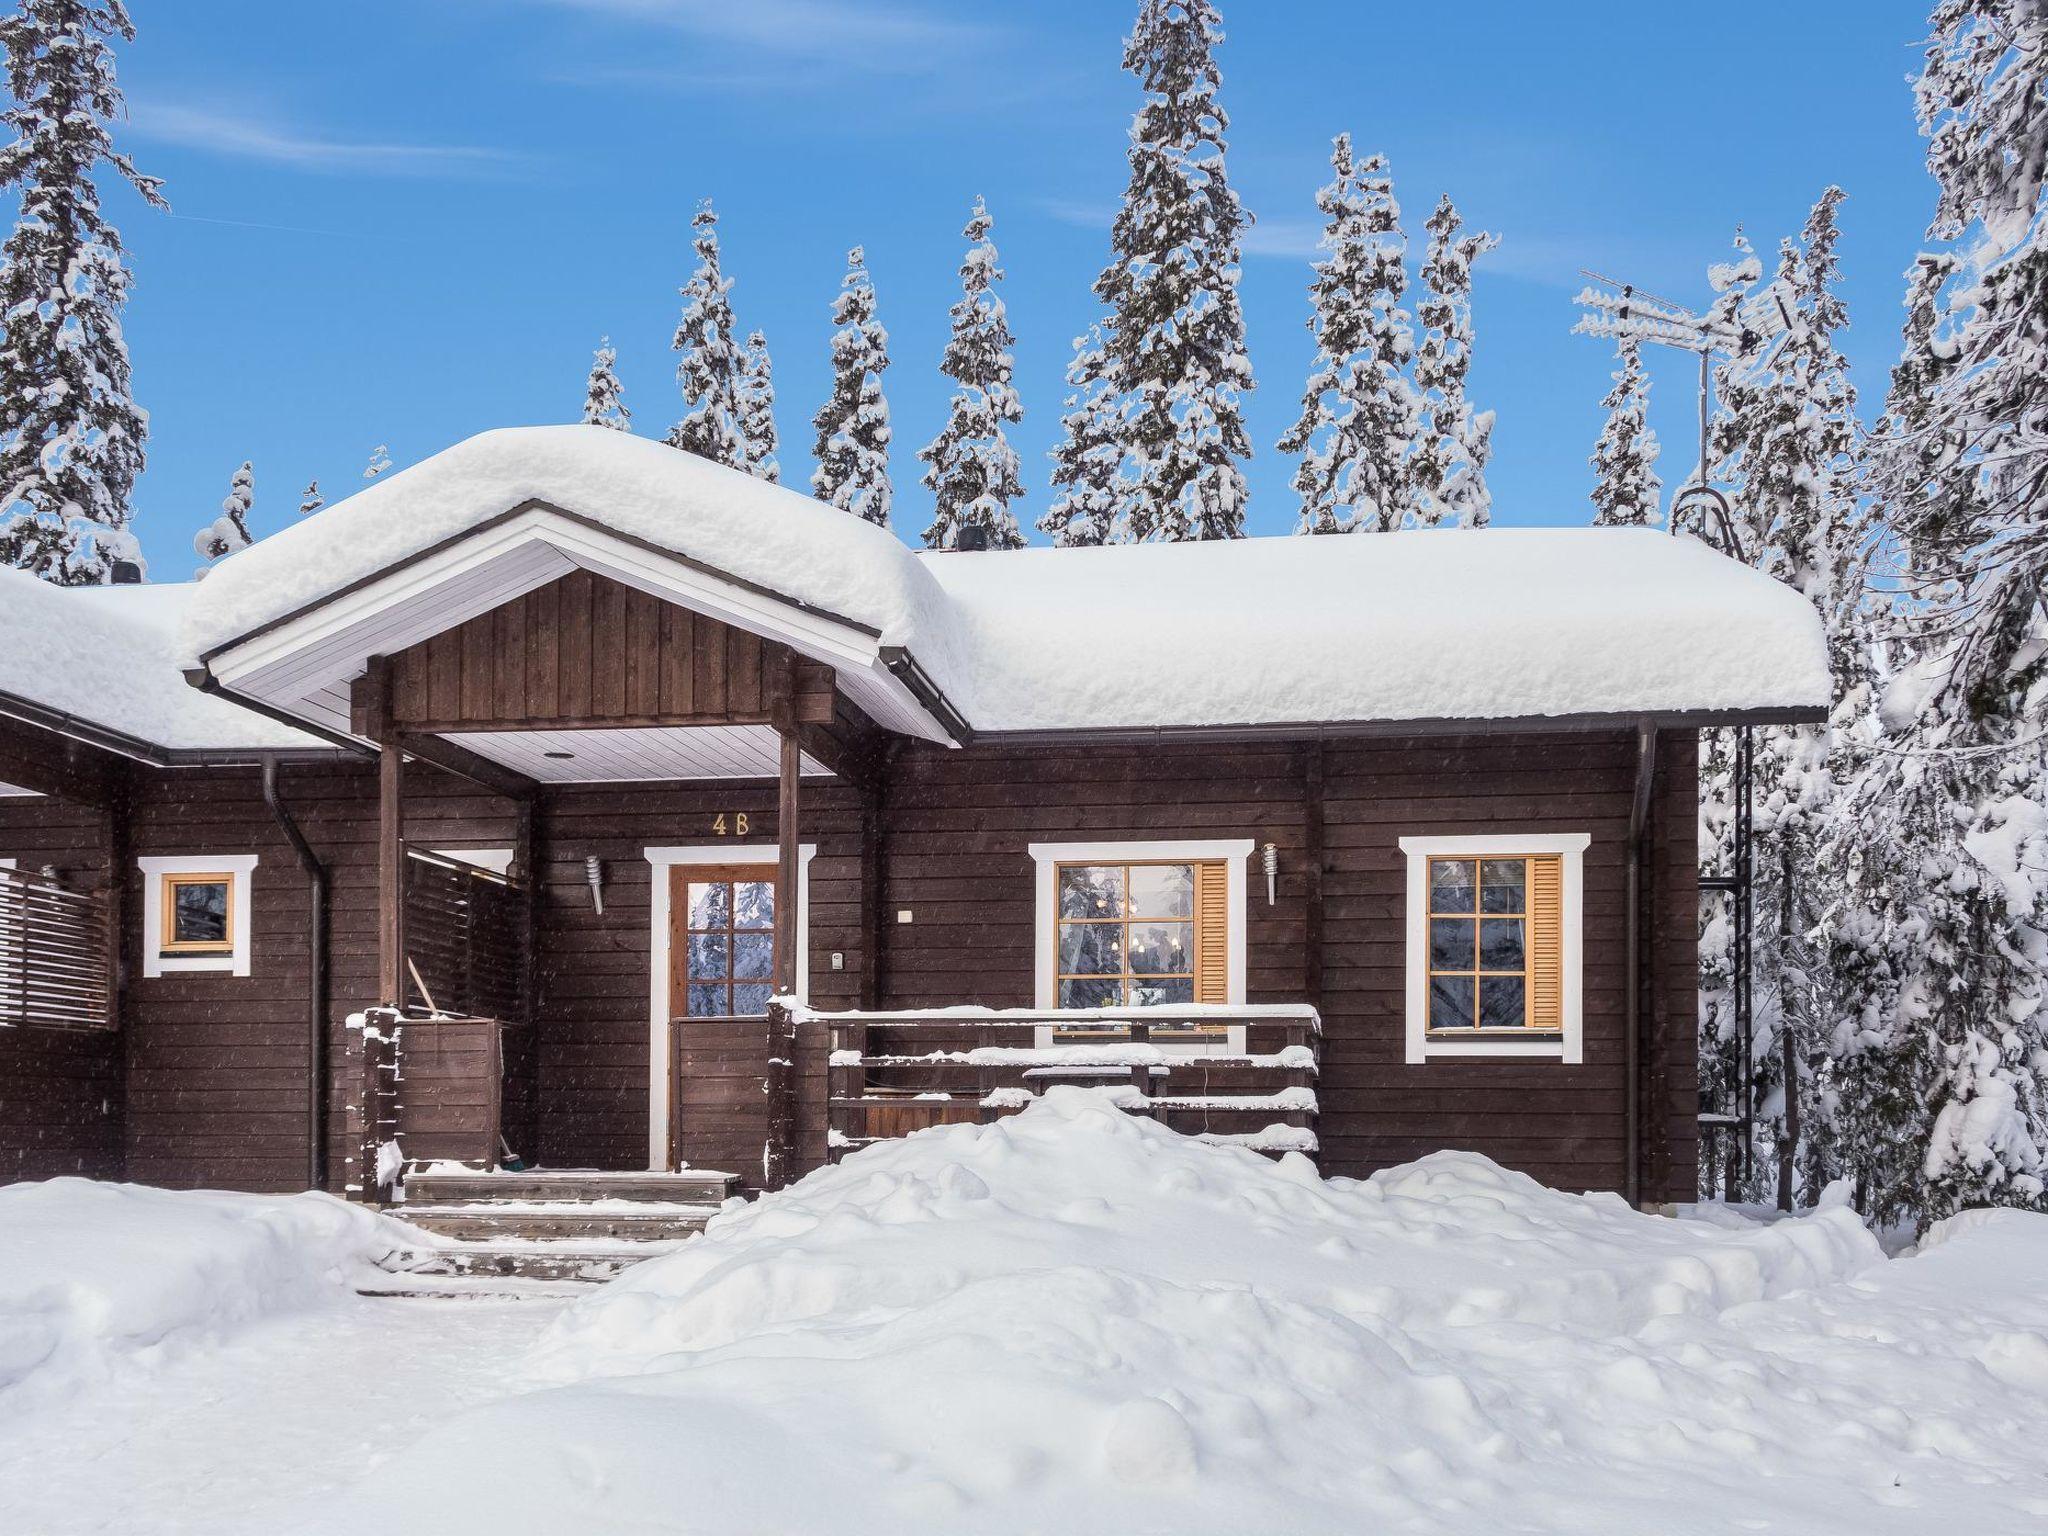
[(1075, 1320), (91, 1272)]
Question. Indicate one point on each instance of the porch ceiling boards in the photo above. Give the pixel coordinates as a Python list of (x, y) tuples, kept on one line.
[(630, 754)]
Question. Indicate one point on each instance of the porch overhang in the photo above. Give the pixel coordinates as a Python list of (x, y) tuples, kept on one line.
[(302, 665)]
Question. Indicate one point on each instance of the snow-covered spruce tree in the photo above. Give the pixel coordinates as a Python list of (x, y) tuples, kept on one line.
[(71, 434), (1961, 473), (310, 499), (710, 367), (1173, 339), (1625, 482), (1360, 413), (972, 469), (604, 398), (1448, 471), (230, 531), (380, 460), (853, 424), (1089, 503), (757, 410)]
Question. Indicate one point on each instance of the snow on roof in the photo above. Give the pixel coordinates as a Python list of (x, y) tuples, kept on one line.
[(1433, 625), (105, 656)]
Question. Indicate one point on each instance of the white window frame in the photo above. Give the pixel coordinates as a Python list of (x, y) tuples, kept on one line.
[(238, 867), (1570, 1048), (662, 860), (1235, 851)]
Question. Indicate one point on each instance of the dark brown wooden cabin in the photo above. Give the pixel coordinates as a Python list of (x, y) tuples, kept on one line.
[(527, 873)]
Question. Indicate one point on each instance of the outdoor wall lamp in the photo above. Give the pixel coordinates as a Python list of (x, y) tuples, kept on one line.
[(593, 872), (1270, 858)]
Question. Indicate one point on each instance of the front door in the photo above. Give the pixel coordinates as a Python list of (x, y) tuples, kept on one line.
[(721, 940)]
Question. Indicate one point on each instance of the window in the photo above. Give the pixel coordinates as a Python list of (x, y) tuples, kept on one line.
[(1141, 925), (195, 913), (728, 918), (1493, 946)]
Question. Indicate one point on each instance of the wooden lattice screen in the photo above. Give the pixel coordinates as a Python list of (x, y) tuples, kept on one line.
[(465, 934), (56, 955)]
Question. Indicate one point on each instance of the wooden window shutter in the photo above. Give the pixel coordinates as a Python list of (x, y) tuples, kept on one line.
[(1212, 933), (1546, 942)]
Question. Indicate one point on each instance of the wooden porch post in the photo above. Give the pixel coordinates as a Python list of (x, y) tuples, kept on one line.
[(786, 834), (377, 725)]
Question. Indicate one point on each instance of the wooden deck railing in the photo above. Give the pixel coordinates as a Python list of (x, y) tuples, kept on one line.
[(465, 938), (890, 1074), (428, 1090), (56, 954)]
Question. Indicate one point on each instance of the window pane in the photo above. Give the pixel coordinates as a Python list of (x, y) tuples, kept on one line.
[(753, 957), (1105, 993), (710, 905), (708, 954), (751, 998), (1450, 1002), (1163, 949), (199, 912), (1450, 885), (1091, 949), (753, 904), (1500, 1002), (1162, 890), (707, 1002), (1450, 943), (1092, 890), (1151, 990), (1500, 944), (1500, 884)]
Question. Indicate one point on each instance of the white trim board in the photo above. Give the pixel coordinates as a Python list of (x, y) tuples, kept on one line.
[(661, 861), (1045, 913), (1571, 1049), (238, 867)]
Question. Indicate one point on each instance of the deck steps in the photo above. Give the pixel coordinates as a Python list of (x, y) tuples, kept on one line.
[(540, 1234)]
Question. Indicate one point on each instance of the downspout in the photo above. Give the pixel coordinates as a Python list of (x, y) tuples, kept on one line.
[(316, 977), (1638, 835)]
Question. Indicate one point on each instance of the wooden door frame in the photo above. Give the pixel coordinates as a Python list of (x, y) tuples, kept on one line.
[(660, 1090)]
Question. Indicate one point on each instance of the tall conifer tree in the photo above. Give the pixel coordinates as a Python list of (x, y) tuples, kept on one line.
[(972, 467), (604, 399), (1448, 471), (757, 410), (1625, 483), (709, 365), (853, 424), (71, 434), (230, 531), (1091, 494)]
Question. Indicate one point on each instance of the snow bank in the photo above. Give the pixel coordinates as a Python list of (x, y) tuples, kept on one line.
[(105, 655), (91, 1271), (1074, 1320), (1439, 624)]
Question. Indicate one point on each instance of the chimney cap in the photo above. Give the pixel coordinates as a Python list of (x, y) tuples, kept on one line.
[(125, 573), (971, 539)]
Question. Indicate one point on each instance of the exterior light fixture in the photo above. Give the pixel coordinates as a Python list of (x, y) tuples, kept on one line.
[(593, 872), (1269, 856)]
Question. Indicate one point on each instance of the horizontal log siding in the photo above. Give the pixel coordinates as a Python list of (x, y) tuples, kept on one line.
[(594, 968), (60, 1090)]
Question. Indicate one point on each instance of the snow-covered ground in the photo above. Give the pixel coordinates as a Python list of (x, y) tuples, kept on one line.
[(1076, 1320)]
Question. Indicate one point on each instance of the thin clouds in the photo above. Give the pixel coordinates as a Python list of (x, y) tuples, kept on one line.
[(248, 138), (886, 37)]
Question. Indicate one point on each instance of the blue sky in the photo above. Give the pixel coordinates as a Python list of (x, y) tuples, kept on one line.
[(402, 223)]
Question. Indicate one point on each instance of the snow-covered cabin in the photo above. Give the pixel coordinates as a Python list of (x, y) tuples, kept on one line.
[(570, 751)]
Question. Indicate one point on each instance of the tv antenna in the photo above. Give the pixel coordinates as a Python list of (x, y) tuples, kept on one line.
[(1742, 323)]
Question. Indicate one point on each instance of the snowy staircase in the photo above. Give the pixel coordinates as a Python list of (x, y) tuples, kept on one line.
[(541, 1233)]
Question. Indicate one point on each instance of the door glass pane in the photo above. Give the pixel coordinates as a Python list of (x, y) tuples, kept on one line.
[(1450, 1002), (199, 912), (708, 955), (751, 998), (1450, 944), (1084, 992), (753, 904), (1500, 884), (1163, 949), (1162, 890), (1500, 1002), (1500, 944), (1092, 890), (753, 956), (1450, 885), (1091, 949), (708, 1002), (711, 905)]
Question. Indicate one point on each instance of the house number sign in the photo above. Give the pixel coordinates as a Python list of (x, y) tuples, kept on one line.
[(730, 824)]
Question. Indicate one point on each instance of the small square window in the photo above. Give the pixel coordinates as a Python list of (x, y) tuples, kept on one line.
[(198, 914)]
